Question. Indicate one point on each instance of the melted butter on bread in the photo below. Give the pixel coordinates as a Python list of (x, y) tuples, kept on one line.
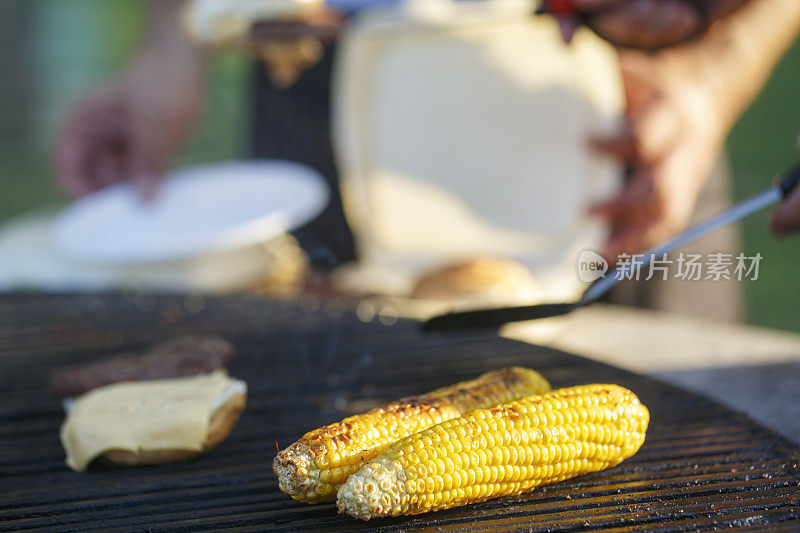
[(144, 416), (220, 23)]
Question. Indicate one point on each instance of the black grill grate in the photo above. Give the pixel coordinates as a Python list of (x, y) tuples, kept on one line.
[(702, 466)]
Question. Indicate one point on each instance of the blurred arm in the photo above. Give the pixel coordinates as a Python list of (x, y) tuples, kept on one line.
[(741, 50), (130, 128), (164, 49), (163, 35), (681, 104)]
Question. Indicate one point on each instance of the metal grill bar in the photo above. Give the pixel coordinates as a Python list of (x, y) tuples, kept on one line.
[(702, 466)]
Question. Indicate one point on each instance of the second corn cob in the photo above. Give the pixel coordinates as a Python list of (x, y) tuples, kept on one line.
[(312, 468), (500, 451)]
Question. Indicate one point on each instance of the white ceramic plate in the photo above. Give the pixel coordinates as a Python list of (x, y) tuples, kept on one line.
[(197, 210)]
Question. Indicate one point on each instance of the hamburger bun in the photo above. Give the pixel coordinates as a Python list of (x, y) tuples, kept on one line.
[(220, 426), (488, 280), (152, 422)]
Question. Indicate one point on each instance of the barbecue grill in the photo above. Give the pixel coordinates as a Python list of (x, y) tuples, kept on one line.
[(701, 467)]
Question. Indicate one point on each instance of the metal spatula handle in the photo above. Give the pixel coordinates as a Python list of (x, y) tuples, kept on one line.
[(773, 195), (483, 318)]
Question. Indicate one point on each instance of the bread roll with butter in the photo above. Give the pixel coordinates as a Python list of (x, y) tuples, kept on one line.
[(152, 422), (483, 280)]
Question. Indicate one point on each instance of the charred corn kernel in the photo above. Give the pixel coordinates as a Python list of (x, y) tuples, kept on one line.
[(508, 449), (312, 468)]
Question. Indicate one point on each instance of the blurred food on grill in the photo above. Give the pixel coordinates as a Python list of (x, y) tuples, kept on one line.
[(286, 60), (489, 280), (505, 450), (312, 468), (152, 422), (186, 355), (288, 271)]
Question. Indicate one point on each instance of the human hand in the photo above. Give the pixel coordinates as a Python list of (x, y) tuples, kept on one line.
[(129, 129), (670, 142), (646, 24), (786, 218)]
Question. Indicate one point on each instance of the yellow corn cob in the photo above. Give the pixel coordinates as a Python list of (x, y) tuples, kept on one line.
[(311, 469), (500, 451)]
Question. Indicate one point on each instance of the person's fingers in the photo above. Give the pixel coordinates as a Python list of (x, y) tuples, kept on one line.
[(629, 236), (70, 166), (107, 160), (145, 154), (635, 196), (74, 149), (147, 185), (145, 170), (786, 218), (635, 216), (107, 167), (621, 146), (619, 242), (636, 234), (93, 128)]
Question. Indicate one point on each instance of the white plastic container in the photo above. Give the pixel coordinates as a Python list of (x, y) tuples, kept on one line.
[(461, 131)]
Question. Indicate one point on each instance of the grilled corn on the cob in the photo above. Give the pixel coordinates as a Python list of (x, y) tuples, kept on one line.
[(500, 451), (312, 468)]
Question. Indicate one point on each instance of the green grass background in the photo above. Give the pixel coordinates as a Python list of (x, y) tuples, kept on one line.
[(761, 145), (56, 49), (68, 47)]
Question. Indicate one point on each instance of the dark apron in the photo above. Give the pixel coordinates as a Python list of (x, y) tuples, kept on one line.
[(294, 124)]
